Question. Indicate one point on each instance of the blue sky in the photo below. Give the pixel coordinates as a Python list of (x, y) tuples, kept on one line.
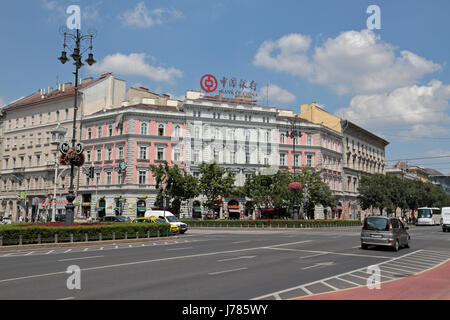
[(394, 81)]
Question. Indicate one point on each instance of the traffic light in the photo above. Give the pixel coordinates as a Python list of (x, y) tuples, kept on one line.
[(91, 172)]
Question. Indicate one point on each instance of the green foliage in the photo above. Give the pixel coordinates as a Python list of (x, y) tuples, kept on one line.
[(215, 183), (181, 186), (30, 233), (390, 192)]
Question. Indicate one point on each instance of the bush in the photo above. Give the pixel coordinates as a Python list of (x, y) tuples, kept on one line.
[(31, 233), (274, 223)]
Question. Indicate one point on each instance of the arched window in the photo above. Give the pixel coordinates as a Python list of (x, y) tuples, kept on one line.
[(144, 128), (89, 134), (161, 130), (99, 131), (177, 131), (282, 138)]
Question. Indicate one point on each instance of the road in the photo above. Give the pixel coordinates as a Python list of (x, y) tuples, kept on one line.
[(217, 265)]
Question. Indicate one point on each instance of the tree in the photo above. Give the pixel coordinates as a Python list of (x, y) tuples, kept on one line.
[(180, 185), (215, 184), (374, 192)]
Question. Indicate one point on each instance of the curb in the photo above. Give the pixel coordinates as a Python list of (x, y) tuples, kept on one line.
[(82, 244)]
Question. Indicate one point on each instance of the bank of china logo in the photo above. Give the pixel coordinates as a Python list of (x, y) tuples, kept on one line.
[(209, 83)]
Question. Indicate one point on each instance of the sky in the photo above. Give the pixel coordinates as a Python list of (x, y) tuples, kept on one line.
[(393, 80)]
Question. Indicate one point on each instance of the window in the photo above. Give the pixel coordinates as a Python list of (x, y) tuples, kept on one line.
[(143, 153), (40, 118), (247, 135), (6, 163), (89, 134), (119, 178), (99, 132), (160, 154), (144, 128), (88, 155), (99, 155), (309, 160), (47, 137), (109, 178), (247, 157), (15, 142), (8, 142), (120, 153), (39, 139), (232, 157), (309, 140), (197, 133), (216, 155), (109, 154), (177, 155), (110, 130), (57, 115), (161, 130), (177, 131), (282, 138), (24, 122), (196, 156), (267, 137), (282, 159), (23, 142), (22, 162), (38, 160), (30, 160), (97, 178), (142, 177), (297, 160)]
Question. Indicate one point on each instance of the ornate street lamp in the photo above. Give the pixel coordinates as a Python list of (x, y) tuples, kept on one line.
[(78, 41), (294, 134)]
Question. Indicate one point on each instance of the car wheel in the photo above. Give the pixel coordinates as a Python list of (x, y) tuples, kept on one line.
[(397, 246)]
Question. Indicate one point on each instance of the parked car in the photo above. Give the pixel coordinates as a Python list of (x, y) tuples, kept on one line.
[(445, 219), (384, 231), (116, 219), (169, 218), (173, 228)]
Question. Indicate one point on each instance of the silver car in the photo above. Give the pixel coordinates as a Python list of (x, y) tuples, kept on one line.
[(384, 231)]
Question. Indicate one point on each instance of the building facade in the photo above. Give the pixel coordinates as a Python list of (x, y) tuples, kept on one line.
[(33, 127)]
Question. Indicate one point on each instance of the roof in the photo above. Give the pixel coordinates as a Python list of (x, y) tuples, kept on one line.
[(36, 97), (347, 123), (141, 106)]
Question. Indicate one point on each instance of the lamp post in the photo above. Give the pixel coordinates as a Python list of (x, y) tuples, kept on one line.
[(77, 38), (294, 133)]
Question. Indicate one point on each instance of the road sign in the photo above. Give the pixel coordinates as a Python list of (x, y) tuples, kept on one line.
[(64, 148), (164, 186), (123, 165), (79, 148)]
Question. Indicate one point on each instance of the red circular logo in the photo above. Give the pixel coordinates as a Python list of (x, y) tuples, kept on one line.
[(209, 83)]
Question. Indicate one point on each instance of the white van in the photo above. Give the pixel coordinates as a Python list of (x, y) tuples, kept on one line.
[(445, 219), (168, 217)]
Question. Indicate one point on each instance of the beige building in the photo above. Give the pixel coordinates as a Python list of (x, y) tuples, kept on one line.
[(364, 154), (33, 127)]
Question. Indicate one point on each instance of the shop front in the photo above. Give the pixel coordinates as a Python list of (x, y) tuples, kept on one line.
[(197, 210), (141, 207), (234, 212)]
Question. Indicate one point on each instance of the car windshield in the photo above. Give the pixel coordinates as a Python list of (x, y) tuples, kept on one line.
[(143, 220), (378, 224), (172, 218), (424, 213), (159, 221), (123, 219)]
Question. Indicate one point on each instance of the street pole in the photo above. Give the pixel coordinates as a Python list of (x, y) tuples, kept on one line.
[(54, 193)]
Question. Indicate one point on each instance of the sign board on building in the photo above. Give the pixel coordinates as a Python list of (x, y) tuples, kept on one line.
[(232, 86)]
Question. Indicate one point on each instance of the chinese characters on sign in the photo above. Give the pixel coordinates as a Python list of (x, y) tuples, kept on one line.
[(231, 86)]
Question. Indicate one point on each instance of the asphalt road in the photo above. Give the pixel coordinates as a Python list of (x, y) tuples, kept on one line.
[(216, 265)]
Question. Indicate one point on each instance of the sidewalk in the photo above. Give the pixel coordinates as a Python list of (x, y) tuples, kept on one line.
[(433, 284)]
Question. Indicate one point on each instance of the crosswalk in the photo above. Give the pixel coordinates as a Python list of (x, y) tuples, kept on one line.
[(94, 248), (393, 269)]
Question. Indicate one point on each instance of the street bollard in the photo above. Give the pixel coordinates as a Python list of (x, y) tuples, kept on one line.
[(20, 240), (137, 235), (56, 238), (71, 238), (157, 234), (39, 239), (100, 237), (1, 241), (86, 237), (126, 235), (148, 234), (114, 236)]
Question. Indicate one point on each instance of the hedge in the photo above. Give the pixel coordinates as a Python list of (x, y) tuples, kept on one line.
[(32, 234), (273, 223)]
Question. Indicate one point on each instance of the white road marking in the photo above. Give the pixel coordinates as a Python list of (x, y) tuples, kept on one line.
[(50, 251), (322, 264), (29, 253), (237, 258), (179, 248), (82, 258), (350, 282), (69, 298), (67, 251), (226, 271), (330, 286)]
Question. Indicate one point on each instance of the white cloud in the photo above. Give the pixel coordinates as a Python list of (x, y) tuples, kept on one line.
[(142, 17), (353, 62), (134, 64), (417, 106), (277, 94)]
